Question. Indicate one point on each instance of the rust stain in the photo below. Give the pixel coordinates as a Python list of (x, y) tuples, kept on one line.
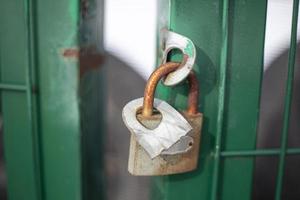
[(193, 94), (89, 58), (152, 82), (71, 53), (90, 61)]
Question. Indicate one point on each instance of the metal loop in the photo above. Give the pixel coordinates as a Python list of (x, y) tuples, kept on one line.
[(171, 41)]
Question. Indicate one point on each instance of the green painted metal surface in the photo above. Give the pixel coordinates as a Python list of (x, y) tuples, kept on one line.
[(245, 68), (18, 102), (46, 106), (288, 99), (229, 75), (40, 99), (57, 31)]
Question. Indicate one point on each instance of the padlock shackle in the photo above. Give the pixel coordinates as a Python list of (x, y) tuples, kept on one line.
[(193, 94), (152, 82)]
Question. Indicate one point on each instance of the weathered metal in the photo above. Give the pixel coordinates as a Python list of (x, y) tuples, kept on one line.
[(140, 164), (162, 71), (171, 128), (171, 41), (181, 156), (152, 82), (89, 58), (193, 94)]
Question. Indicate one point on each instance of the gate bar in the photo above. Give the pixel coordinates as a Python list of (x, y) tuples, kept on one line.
[(15, 87), (288, 100), (258, 152), (31, 98), (221, 99)]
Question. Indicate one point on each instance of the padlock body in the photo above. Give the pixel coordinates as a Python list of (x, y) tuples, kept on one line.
[(140, 163)]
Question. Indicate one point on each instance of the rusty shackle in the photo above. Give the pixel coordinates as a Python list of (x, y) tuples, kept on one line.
[(158, 74)]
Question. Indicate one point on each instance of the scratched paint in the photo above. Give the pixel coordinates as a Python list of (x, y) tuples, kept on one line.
[(189, 49)]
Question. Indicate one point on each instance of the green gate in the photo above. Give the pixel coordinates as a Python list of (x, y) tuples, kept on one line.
[(229, 37), (51, 99), (43, 117)]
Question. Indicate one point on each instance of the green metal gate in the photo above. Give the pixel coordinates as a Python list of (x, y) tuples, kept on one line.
[(229, 36), (51, 99), (39, 99), (39, 41)]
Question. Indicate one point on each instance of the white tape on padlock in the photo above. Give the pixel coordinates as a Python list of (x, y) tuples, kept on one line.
[(171, 128)]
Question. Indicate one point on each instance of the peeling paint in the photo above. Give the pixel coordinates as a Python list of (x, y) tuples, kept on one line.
[(71, 53), (189, 49)]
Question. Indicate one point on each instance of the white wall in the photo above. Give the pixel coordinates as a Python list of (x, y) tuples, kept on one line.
[(130, 31)]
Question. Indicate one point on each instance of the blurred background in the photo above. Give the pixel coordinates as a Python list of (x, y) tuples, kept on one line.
[(130, 44)]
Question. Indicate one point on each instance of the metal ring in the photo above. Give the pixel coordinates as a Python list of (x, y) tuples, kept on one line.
[(176, 41)]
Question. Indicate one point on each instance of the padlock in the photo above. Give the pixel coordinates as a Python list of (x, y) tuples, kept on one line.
[(177, 147)]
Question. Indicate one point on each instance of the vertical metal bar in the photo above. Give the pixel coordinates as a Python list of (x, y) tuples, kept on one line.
[(221, 98), (31, 102), (57, 25), (288, 99)]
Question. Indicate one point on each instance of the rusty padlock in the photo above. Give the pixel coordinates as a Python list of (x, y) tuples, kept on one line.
[(182, 155)]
